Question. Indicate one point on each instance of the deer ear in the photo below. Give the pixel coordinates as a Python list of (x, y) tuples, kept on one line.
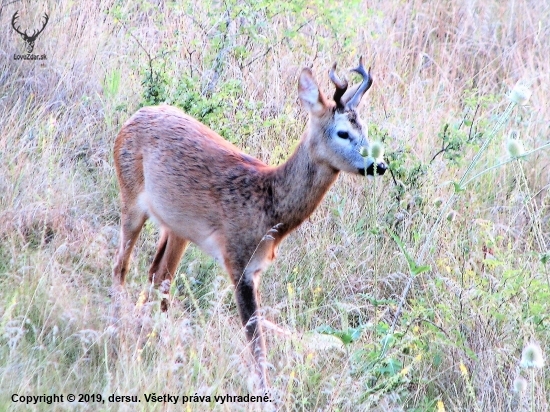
[(309, 92)]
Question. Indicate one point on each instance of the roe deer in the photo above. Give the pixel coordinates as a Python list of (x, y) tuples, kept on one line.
[(202, 189)]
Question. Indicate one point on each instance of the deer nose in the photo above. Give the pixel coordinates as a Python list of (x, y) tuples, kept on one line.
[(381, 168)]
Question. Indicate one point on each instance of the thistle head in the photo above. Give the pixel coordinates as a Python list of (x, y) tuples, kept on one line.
[(520, 385), (451, 216), (520, 94), (532, 356), (377, 150), (514, 145)]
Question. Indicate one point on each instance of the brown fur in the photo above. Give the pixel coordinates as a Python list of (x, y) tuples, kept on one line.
[(202, 189)]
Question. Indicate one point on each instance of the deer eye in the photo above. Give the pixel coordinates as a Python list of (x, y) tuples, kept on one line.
[(343, 135)]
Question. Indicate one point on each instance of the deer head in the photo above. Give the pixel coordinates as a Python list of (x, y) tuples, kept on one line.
[(337, 132)]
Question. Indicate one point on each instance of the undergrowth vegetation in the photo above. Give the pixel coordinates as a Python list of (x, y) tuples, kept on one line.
[(415, 291)]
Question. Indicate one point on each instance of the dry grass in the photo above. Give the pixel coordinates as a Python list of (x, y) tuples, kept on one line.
[(487, 293)]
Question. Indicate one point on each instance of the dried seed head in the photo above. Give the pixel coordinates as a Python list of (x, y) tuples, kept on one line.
[(520, 94), (363, 151), (377, 150), (520, 385), (515, 147), (532, 357)]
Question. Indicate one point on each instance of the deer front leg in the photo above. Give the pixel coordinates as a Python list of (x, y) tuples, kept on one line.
[(246, 278), (248, 305)]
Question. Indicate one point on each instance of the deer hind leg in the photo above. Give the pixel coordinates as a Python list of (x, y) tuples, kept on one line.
[(170, 249), (132, 221)]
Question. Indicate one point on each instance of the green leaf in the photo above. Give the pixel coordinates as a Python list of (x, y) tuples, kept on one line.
[(355, 333), (401, 246), (347, 337), (413, 267), (392, 367), (387, 341), (457, 187), (421, 269)]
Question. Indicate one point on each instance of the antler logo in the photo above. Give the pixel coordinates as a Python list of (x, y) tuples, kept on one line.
[(29, 40)]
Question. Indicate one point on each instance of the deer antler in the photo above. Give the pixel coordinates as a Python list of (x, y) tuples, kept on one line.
[(363, 87), (36, 33), (13, 19), (341, 86)]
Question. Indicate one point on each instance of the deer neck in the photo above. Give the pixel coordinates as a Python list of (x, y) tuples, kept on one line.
[(299, 185)]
